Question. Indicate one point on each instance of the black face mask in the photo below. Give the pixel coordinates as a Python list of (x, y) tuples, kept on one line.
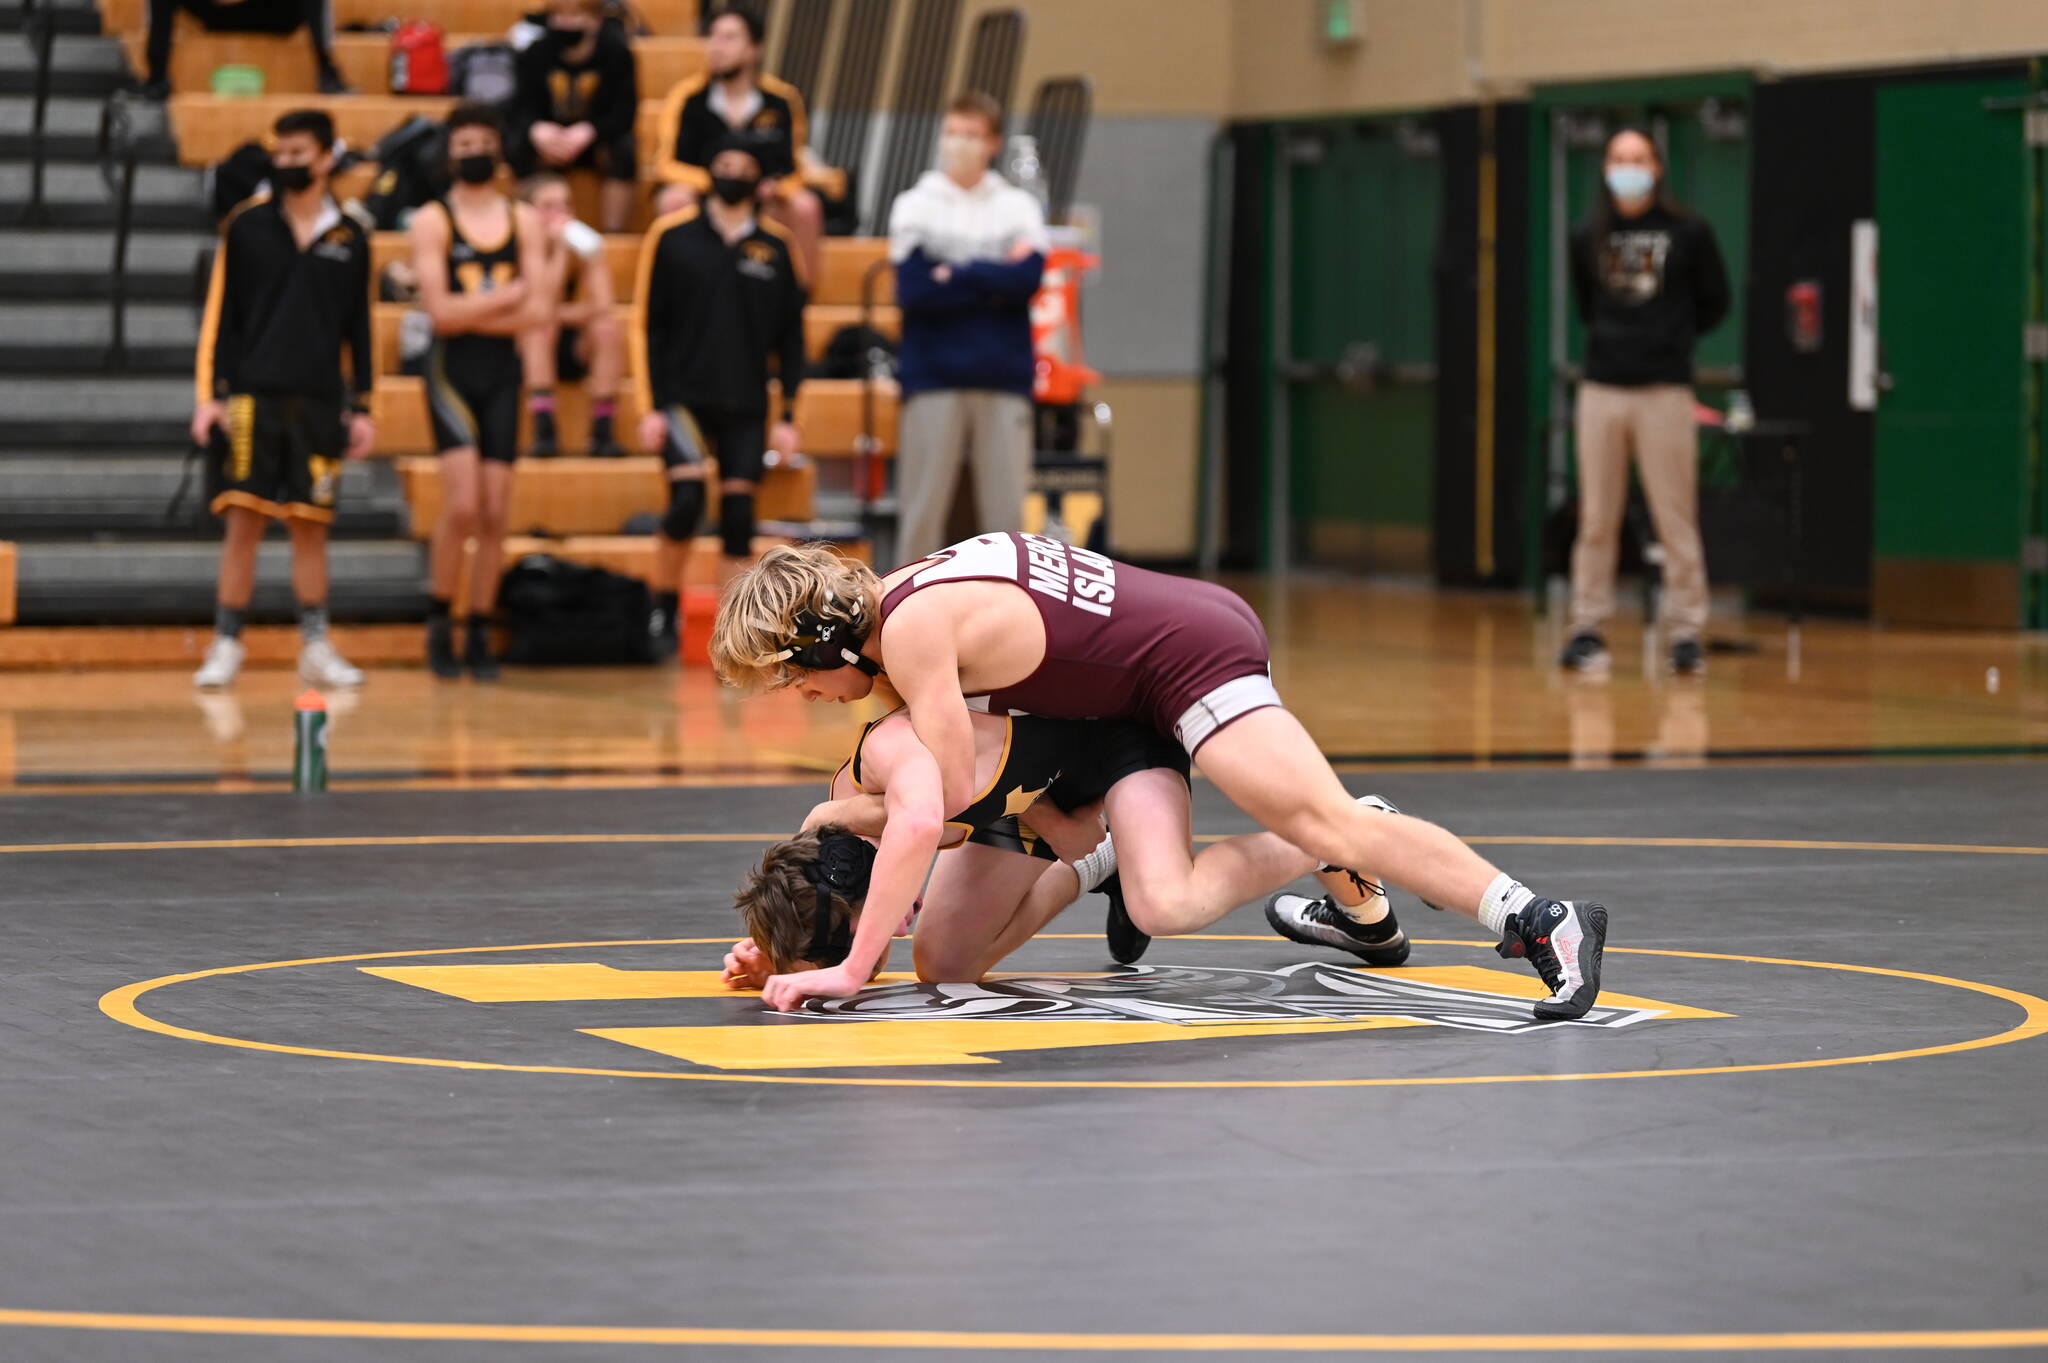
[(562, 36), (734, 189), (476, 170), (291, 179)]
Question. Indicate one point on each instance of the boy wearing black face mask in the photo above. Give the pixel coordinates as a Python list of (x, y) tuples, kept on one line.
[(290, 289), (484, 277), (720, 290), (578, 94)]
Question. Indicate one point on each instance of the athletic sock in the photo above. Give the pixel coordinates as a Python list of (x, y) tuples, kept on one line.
[(1502, 900), (227, 621), (312, 622), (1371, 911), (1098, 865), (541, 400)]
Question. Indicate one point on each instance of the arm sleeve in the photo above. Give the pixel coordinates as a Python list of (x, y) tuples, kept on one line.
[(791, 348), (684, 151), (214, 357), (1710, 294), (1579, 251), (654, 287), (918, 294), (618, 94), (1005, 281), (362, 374)]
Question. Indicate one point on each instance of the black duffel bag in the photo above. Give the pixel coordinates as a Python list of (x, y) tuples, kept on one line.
[(567, 613)]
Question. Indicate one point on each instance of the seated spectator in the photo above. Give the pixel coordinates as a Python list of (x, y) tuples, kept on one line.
[(735, 98), (242, 16), (584, 341), (578, 94)]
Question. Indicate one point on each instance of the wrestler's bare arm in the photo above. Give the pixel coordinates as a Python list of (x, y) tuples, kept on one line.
[(924, 665)]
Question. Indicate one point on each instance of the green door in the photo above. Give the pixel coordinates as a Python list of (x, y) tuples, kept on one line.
[(1952, 408), (1358, 368)]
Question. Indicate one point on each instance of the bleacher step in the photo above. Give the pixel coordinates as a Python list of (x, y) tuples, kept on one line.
[(59, 495), (71, 129), (174, 581), (78, 66), (107, 411), (75, 194), (76, 264), (73, 337)]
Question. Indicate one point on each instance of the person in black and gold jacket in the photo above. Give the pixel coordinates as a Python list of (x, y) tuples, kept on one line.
[(290, 291), (734, 98), (578, 94)]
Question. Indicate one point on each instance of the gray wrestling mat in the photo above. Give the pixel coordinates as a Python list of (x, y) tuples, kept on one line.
[(438, 1077)]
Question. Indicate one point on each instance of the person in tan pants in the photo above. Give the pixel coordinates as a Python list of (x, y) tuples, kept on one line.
[(1648, 279)]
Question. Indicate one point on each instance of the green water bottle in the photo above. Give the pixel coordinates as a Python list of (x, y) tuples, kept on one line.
[(309, 757)]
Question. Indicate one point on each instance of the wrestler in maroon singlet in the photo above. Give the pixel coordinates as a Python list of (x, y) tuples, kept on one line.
[(1186, 657)]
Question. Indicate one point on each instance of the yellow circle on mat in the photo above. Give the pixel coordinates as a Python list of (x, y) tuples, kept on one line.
[(121, 1005)]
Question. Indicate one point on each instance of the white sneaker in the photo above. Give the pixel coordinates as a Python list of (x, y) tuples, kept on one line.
[(320, 665), (223, 660)]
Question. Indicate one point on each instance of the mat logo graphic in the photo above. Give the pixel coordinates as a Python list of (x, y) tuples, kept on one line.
[(1195, 996)]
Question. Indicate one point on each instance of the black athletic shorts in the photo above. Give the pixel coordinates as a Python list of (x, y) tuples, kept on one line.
[(279, 455), (473, 395), (1116, 748), (739, 444), (1011, 834)]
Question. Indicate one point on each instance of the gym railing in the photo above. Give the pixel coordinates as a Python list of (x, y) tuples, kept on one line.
[(39, 27), (118, 154)]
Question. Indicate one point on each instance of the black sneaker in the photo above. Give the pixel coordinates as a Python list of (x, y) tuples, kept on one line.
[(332, 83), (662, 640), (1563, 940), (1687, 658), (1126, 943), (441, 650), (1320, 923), (476, 652), (1587, 652)]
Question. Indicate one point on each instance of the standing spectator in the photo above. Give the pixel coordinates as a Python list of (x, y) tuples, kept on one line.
[(720, 291), (735, 97), (1649, 282), (484, 278), (579, 92), (582, 340), (969, 249), (243, 16), (290, 289)]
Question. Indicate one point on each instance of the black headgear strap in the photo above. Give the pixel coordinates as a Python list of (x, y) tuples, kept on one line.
[(843, 866), (820, 643)]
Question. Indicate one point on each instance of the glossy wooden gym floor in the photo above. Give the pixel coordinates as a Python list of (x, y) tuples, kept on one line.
[(435, 1067), (1384, 675)]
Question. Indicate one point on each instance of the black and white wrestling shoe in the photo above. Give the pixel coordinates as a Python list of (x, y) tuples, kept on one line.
[(1321, 923), (1563, 939)]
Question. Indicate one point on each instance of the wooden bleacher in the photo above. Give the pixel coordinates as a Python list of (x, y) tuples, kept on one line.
[(596, 496)]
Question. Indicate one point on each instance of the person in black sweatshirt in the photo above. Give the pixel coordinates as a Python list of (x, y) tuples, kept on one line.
[(1649, 281), (577, 97)]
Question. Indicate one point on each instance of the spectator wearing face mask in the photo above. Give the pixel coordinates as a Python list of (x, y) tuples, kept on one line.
[(735, 98), (969, 249), (578, 93), (1648, 279), (721, 294)]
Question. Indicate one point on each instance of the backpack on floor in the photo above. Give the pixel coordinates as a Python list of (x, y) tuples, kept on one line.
[(567, 613)]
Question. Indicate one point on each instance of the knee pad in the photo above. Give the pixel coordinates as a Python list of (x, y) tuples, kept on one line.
[(736, 523), (685, 509)]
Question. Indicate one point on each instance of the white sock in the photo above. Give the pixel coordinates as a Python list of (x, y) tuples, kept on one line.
[(1504, 898), (1371, 910), (1098, 865)]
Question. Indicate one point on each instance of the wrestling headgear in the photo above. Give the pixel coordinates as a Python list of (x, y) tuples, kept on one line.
[(819, 643), (843, 866)]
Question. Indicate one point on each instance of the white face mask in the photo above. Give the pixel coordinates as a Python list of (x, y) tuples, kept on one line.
[(962, 155)]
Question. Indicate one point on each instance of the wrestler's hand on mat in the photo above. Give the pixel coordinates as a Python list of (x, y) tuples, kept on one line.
[(785, 993), (746, 966)]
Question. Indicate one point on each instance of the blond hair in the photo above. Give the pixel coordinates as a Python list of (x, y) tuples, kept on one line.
[(778, 901), (758, 609)]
